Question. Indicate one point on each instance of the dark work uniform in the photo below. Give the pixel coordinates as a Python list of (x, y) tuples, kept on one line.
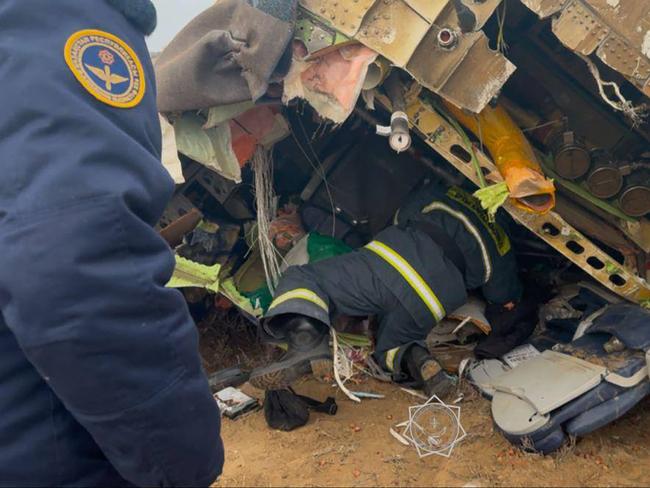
[(406, 276), (101, 383)]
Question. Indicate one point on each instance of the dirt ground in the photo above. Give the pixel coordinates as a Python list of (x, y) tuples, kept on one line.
[(355, 448)]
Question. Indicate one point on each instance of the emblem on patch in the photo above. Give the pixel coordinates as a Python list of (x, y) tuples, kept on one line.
[(106, 66)]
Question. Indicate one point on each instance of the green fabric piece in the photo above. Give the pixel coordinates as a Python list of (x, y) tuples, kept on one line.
[(260, 298), (190, 274), (612, 268), (321, 247), (493, 197)]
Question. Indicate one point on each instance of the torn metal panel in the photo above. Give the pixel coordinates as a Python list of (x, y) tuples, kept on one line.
[(458, 66), (483, 10), (580, 29), (544, 8), (345, 16), (394, 30), (618, 31), (468, 76), (551, 227), (316, 35)]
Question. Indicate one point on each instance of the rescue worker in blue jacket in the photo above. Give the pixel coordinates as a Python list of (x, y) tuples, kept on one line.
[(411, 275), (101, 383)]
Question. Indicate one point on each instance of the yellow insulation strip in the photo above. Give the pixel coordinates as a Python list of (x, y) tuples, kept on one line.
[(190, 274)]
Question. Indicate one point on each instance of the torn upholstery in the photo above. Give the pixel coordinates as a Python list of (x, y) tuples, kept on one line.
[(227, 54)]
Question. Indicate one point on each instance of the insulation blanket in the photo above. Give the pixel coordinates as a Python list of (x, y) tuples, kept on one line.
[(331, 82)]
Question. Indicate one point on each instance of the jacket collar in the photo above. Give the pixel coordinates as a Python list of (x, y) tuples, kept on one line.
[(141, 13)]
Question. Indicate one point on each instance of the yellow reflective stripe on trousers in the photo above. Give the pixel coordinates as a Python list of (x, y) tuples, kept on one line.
[(390, 359), (300, 294), (411, 276)]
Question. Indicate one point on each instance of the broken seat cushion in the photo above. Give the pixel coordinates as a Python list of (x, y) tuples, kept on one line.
[(597, 402), (227, 54)]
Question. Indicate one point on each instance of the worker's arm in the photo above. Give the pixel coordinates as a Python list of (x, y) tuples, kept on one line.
[(82, 272)]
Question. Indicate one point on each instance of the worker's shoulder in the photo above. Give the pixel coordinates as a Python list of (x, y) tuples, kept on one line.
[(95, 50)]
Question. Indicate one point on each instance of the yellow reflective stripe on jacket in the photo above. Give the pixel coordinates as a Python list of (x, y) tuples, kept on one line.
[(487, 264), (411, 276), (300, 294)]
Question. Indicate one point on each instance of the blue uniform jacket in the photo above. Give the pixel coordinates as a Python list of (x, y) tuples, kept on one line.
[(100, 378)]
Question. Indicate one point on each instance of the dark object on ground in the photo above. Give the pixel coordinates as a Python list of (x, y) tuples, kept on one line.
[(286, 410), (510, 328), (494, 346), (234, 376)]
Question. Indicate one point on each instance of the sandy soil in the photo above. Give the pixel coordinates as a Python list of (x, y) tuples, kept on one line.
[(354, 448)]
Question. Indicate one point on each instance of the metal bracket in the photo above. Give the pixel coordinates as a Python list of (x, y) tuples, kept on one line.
[(424, 38), (441, 136)]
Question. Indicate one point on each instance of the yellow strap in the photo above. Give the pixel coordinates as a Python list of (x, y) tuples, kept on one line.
[(300, 294), (412, 277), (390, 359)]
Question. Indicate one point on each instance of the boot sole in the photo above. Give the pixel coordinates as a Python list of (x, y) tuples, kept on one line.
[(430, 369), (281, 378)]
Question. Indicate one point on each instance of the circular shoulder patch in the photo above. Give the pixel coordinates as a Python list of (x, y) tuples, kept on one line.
[(106, 66)]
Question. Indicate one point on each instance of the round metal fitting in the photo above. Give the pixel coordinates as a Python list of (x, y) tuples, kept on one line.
[(447, 38), (635, 200), (571, 158), (605, 181)]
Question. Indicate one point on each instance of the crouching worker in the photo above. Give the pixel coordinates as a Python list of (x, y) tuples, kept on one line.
[(410, 276)]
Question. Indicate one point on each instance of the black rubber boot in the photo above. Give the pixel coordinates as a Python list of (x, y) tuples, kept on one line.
[(427, 372), (308, 353)]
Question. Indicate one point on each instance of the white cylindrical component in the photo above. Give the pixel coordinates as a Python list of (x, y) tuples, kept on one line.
[(400, 137)]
